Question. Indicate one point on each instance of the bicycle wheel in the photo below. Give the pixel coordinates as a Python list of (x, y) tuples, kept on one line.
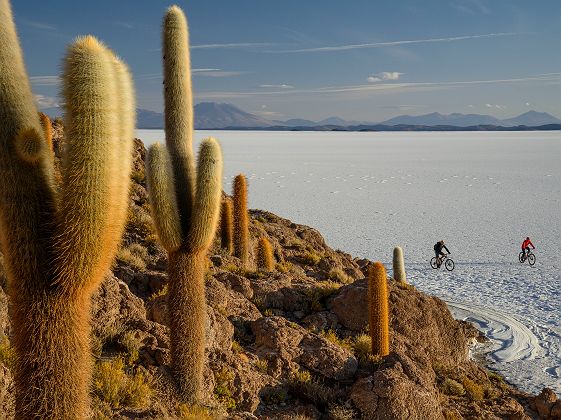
[(449, 264), (521, 257), (434, 263), (531, 259)]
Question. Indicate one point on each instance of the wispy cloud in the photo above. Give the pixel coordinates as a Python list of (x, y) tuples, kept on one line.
[(123, 24), (205, 72), (231, 45), (44, 80), (46, 101), (383, 76), (497, 106), (281, 86), (380, 88), (39, 25), (395, 43)]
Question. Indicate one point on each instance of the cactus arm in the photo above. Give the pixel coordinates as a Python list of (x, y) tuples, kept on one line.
[(90, 167), (206, 208), (178, 110), (27, 195), (47, 130), (126, 126), (161, 192)]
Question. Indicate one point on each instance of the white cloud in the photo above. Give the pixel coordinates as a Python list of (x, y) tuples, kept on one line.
[(122, 24), (232, 45), (396, 43), (44, 80), (383, 76), (282, 86), (527, 104), (43, 101)]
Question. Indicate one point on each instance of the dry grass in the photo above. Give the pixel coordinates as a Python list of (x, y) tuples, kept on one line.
[(7, 354), (332, 337), (319, 293), (310, 258), (193, 412), (302, 386), (362, 347), (474, 391), (114, 387), (452, 387), (262, 365), (222, 389), (133, 256), (339, 276), (340, 412)]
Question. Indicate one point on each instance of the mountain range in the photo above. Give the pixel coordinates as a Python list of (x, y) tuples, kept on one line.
[(212, 115)]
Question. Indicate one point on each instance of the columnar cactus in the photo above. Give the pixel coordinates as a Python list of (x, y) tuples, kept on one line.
[(398, 265), (185, 206), (265, 260), (58, 244), (47, 129), (378, 310), (241, 223), (226, 226)]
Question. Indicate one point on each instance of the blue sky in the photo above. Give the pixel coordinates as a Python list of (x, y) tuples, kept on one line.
[(358, 59)]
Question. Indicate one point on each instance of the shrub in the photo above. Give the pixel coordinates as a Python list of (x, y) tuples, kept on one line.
[(236, 347), (452, 415), (474, 391), (338, 275), (310, 258), (132, 344), (262, 365), (332, 337), (193, 412), (113, 386), (362, 346), (132, 256), (302, 386), (223, 382), (284, 267), (7, 354), (340, 412), (452, 387), (140, 223)]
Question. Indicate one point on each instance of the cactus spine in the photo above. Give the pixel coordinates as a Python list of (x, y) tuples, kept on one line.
[(398, 265), (226, 226), (265, 260), (56, 256), (378, 310), (241, 226), (185, 205)]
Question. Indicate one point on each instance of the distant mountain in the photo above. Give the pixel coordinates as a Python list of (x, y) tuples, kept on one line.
[(208, 115), (149, 119), (532, 119), (529, 119), (212, 115), (435, 118)]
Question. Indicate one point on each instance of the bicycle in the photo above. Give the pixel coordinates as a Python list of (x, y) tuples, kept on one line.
[(437, 262), (522, 257)]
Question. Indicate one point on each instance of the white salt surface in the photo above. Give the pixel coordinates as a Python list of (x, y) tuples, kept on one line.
[(482, 192)]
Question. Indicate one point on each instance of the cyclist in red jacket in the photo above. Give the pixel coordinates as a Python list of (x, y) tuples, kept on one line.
[(526, 244)]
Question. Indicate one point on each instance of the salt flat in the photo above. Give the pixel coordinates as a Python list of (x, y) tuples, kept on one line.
[(482, 192)]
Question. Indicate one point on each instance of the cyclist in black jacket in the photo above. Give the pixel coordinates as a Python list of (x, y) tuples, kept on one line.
[(438, 247)]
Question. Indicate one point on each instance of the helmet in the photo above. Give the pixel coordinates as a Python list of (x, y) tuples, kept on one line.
[(527, 238)]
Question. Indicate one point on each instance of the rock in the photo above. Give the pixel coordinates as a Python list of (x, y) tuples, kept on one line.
[(237, 283), (544, 402), (6, 393), (277, 338), (390, 394), (216, 260)]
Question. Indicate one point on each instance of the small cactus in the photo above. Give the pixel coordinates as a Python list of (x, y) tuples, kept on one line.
[(398, 265), (226, 226), (265, 259), (378, 310), (241, 223), (47, 129)]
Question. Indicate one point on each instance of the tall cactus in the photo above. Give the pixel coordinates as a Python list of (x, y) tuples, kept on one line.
[(57, 245), (226, 226), (185, 205), (398, 265), (241, 223), (265, 260), (378, 310)]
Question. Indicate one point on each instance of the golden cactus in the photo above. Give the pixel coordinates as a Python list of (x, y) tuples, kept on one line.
[(241, 222), (378, 310), (265, 259), (226, 226), (58, 244), (185, 206)]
